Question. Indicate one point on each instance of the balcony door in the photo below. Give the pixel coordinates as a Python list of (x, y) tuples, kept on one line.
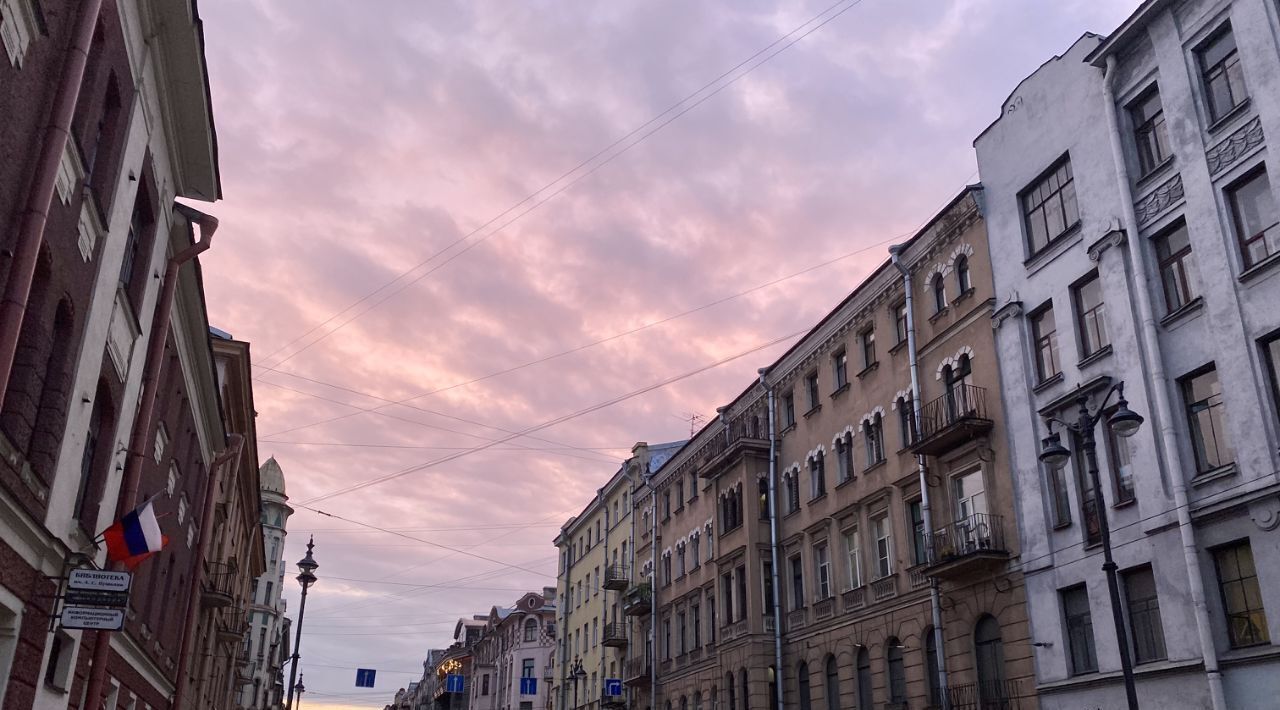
[(970, 495), (958, 380)]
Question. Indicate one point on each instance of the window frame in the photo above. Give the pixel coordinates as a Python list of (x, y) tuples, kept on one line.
[(1230, 60), (852, 556), (867, 343), (1149, 131), (1091, 322), (840, 368), (964, 279), (1258, 172), (1083, 623), (900, 322), (1070, 222), (1270, 345), (1265, 636), (884, 557), (812, 390), (1190, 411), (1150, 645), (1178, 264), (1042, 343), (822, 570)]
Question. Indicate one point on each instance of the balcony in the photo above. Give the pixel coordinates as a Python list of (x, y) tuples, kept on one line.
[(770, 625), (616, 578), (953, 419), (637, 671), (742, 436), (217, 590), (986, 695), (884, 588), (796, 618), (855, 598), (973, 545), (638, 600), (232, 626), (615, 635)]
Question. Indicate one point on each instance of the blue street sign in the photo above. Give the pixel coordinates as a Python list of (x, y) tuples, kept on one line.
[(613, 687), (364, 677), (453, 683), (528, 686)]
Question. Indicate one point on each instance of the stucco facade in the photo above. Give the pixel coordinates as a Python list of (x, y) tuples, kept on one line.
[(516, 643), (1160, 169), (267, 644)]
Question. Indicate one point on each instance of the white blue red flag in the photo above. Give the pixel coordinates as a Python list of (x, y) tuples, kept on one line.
[(135, 537)]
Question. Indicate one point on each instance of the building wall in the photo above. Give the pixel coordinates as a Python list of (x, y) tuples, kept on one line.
[(267, 637), (1059, 111)]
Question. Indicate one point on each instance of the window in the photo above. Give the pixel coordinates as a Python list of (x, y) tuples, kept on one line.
[(1143, 607), (840, 368), (1075, 609), (484, 684), (897, 670), (746, 690), (729, 687), (1177, 268), (920, 555), (1091, 316), (789, 409), (797, 582), (680, 560), (741, 598), (1241, 597), (1221, 74), (989, 653), (884, 545), (865, 698), (726, 583), (679, 492), (963, 282), (695, 617), (907, 420), (1090, 513), (868, 340), (961, 400), (844, 456), (666, 638), (680, 624), (802, 686), (1049, 207), (833, 684), (1121, 471), (1044, 332), (526, 668), (1271, 355), (1149, 132), (873, 434), (939, 287), (822, 565), (900, 322), (817, 475), (853, 558), (1257, 221), (811, 389), (932, 681), (666, 504), (792, 483), (762, 490), (1207, 418)]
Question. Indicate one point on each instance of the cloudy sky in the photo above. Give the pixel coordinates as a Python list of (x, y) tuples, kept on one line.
[(448, 222)]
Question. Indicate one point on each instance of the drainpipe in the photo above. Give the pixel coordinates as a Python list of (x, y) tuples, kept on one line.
[(143, 422), (604, 593), (230, 455), (633, 578), (35, 214), (1159, 386), (653, 587), (895, 253), (773, 540)]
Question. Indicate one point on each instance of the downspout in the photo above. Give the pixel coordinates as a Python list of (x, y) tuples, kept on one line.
[(604, 593), (1159, 385), (773, 541), (631, 570), (35, 214), (142, 421), (935, 603), (230, 454), (653, 590)]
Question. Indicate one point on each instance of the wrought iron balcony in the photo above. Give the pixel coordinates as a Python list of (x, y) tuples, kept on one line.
[(972, 544), (615, 635), (638, 600), (217, 590), (638, 671), (616, 578), (952, 419), (232, 626), (985, 695)]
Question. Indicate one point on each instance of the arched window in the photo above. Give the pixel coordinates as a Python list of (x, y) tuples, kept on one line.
[(531, 629), (957, 379), (931, 667), (802, 685), (96, 457), (873, 433), (762, 485), (865, 701), (833, 684), (989, 653), (896, 670), (939, 286), (963, 283), (773, 688), (907, 420), (746, 690), (729, 688), (684, 703)]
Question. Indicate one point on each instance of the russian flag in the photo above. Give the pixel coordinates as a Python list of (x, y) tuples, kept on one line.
[(135, 537)]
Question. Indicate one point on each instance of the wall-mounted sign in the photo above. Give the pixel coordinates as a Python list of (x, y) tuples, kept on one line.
[(80, 617), (99, 580), (96, 597)]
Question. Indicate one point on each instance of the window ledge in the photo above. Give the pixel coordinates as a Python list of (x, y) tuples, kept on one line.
[(846, 481), (1265, 265), (791, 513), (963, 295), (1216, 474), (873, 466), (1159, 169), (898, 346), (1227, 118), (1124, 503), (939, 314), (839, 391), (817, 498), (1046, 384), (1050, 251), (787, 429), (869, 369), (1100, 354), (1191, 307), (813, 410)]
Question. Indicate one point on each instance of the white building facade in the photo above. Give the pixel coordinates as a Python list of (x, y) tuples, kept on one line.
[(513, 656), (1138, 175), (268, 638)]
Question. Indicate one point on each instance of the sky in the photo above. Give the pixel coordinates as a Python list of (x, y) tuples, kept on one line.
[(446, 223)]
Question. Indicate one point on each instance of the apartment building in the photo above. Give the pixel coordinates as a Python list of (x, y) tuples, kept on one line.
[(842, 535), (268, 640), (1132, 208), (513, 655)]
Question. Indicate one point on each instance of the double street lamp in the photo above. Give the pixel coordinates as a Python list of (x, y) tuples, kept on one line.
[(306, 577), (1124, 422), (576, 674)]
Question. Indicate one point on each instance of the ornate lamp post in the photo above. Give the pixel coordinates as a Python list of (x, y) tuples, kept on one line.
[(306, 577), (301, 689), (576, 674), (1124, 422)]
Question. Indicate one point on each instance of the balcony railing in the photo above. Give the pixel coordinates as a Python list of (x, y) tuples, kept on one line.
[(218, 589), (770, 624), (637, 671), (638, 600), (232, 626), (616, 578), (917, 576), (952, 419), (985, 695), (615, 635), (970, 544), (855, 598), (884, 588), (796, 618)]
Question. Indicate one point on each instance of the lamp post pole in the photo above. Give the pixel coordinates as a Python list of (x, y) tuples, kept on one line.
[(306, 577), (576, 673), (1124, 422)]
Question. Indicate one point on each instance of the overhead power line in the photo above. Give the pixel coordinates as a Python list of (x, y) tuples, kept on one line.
[(600, 159)]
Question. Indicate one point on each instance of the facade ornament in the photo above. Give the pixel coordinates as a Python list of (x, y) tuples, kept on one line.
[(1114, 237), (1159, 200), (1234, 147), (1012, 309)]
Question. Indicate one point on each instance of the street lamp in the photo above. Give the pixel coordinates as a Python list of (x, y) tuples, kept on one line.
[(306, 577), (1123, 422), (576, 673), (301, 689)]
